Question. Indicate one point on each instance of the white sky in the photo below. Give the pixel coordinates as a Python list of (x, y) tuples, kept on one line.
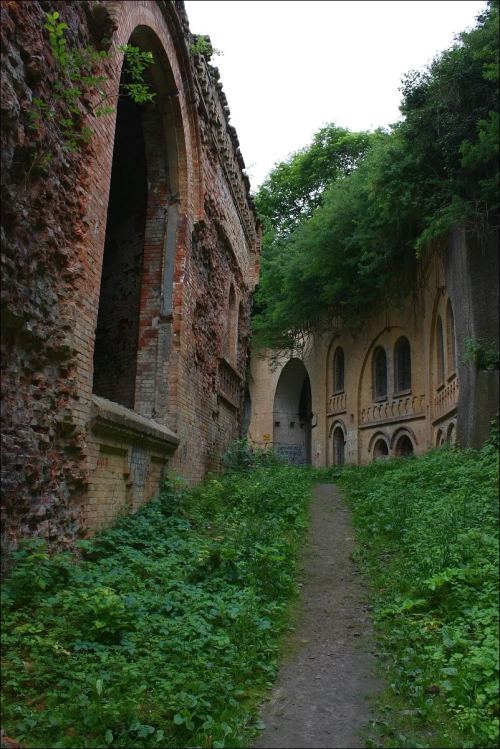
[(290, 66)]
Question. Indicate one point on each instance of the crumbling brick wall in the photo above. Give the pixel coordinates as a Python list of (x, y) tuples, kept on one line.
[(53, 235)]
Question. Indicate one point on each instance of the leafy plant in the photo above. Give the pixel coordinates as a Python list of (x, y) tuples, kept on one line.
[(482, 353), (78, 82), (166, 632), (427, 531), (346, 218)]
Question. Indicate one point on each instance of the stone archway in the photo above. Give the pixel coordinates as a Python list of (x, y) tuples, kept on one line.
[(292, 414)]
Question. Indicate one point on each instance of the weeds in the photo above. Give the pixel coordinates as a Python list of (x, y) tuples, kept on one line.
[(166, 633), (428, 538)]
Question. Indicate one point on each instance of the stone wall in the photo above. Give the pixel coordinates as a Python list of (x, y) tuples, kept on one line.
[(448, 400), (160, 310)]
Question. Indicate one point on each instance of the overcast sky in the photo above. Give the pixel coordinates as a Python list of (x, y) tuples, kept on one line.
[(290, 66)]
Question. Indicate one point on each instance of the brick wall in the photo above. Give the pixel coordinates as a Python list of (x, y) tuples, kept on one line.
[(63, 474)]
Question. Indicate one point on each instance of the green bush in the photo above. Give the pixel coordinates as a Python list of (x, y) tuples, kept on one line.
[(428, 533), (166, 632)]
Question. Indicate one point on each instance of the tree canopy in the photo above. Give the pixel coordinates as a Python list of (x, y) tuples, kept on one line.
[(345, 218)]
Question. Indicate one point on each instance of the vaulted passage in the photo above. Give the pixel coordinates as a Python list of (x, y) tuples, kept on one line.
[(115, 353), (292, 414)]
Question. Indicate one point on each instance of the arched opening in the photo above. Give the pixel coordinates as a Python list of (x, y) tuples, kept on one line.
[(338, 370), (404, 447), (292, 414), (439, 438), (379, 373), (402, 365), (380, 449), (450, 339), (140, 243), (115, 352), (451, 434), (439, 351), (338, 447)]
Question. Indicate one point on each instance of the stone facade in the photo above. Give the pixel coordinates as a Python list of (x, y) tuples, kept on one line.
[(128, 269), (401, 384)]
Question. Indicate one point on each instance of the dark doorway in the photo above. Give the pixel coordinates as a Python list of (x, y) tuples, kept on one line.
[(293, 414), (115, 352), (338, 447), (404, 447)]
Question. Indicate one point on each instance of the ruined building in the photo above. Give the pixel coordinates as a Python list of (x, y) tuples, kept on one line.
[(406, 382), (128, 265)]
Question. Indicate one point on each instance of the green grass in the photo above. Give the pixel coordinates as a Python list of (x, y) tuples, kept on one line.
[(427, 531), (167, 632)]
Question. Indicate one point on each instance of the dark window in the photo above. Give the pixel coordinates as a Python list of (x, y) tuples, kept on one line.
[(439, 351), (380, 373), (338, 370), (402, 365)]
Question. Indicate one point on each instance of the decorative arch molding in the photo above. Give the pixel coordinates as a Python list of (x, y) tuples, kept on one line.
[(337, 424), (403, 431), (381, 434)]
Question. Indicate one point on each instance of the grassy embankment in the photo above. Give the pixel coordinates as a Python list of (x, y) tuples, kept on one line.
[(168, 630), (427, 532)]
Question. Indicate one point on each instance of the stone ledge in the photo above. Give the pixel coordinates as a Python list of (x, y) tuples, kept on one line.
[(117, 421), (391, 420)]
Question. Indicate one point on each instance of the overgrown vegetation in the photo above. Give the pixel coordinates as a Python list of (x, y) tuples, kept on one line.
[(80, 93), (166, 632), (428, 542), (346, 217)]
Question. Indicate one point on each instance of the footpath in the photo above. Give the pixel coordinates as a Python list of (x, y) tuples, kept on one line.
[(321, 697)]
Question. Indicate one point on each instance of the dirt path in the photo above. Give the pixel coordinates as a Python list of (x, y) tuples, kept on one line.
[(320, 698)]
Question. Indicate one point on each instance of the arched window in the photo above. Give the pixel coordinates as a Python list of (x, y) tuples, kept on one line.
[(338, 370), (379, 373), (439, 351), (380, 449), (338, 447), (450, 339), (404, 447), (402, 365)]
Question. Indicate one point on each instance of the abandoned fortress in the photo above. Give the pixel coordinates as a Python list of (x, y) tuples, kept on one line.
[(128, 267)]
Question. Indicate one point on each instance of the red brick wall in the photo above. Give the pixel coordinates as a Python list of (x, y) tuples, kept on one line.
[(52, 255)]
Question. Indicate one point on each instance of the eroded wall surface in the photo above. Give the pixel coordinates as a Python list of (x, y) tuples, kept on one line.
[(88, 435)]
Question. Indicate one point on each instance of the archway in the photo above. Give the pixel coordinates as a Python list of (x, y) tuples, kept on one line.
[(380, 449), (144, 209), (338, 447), (404, 447), (292, 414)]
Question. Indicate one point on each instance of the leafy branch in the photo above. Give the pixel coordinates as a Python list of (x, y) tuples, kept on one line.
[(78, 84)]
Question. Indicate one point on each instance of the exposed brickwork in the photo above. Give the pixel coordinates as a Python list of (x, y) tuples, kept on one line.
[(62, 473)]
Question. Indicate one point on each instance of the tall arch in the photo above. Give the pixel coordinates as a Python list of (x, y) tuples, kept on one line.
[(338, 370), (141, 241), (439, 350), (379, 373), (292, 414)]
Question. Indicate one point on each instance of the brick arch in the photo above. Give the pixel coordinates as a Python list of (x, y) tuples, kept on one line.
[(403, 432), (379, 434), (173, 205)]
